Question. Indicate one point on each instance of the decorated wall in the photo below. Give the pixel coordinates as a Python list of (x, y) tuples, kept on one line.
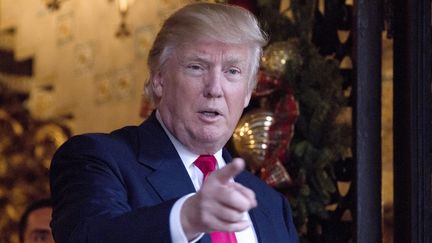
[(80, 68)]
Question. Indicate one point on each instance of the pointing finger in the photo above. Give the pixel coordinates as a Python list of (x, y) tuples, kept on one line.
[(225, 174)]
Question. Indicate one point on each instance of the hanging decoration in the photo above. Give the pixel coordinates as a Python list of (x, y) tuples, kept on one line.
[(123, 7), (266, 84), (282, 57), (53, 5), (251, 137), (282, 131)]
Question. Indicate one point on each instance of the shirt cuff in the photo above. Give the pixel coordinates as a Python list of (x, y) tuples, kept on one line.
[(176, 229)]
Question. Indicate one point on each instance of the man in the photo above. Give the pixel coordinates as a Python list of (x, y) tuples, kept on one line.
[(153, 183), (34, 224)]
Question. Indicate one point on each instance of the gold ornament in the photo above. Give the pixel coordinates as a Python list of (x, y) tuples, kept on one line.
[(251, 137), (282, 55)]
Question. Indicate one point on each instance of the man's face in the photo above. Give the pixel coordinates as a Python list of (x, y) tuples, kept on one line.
[(203, 89), (38, 228)]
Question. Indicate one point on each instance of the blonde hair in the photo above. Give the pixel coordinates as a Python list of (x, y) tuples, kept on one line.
[(219, 22)]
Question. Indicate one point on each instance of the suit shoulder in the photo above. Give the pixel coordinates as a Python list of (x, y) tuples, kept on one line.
[(120, 139)]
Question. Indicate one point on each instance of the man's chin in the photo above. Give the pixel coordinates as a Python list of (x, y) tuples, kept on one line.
[(211, 141)]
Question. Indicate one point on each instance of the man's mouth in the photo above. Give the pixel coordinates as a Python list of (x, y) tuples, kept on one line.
[(210, 113)]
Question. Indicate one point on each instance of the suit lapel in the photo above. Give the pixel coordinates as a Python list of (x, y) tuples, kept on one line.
[(169, 178), (261, 219), (205, 239), (261, 225)]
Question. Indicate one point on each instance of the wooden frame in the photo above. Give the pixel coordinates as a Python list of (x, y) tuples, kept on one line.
[(412, 121)]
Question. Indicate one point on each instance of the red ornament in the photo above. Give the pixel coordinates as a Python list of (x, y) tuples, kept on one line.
[(276, 175), (266, 84), (281, 130)]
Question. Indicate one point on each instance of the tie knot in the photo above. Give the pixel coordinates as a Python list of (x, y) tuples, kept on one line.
[(206, 163)]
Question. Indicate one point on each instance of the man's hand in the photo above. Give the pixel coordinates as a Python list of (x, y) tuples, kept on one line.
[(219, 205)]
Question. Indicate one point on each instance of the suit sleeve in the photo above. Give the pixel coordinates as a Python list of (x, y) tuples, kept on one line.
[(90, 199)]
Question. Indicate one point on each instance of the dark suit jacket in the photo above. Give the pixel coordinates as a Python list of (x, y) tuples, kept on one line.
[(120, 187)]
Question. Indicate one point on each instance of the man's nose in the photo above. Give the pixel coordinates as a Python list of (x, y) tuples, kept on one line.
[(213, 86)]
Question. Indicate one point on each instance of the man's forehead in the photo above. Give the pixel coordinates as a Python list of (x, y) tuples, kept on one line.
[(40, 216), (207, 51)]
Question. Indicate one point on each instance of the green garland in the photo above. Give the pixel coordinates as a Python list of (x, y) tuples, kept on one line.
[(318, 141)]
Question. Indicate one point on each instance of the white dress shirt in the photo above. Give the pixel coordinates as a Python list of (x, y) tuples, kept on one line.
[(188, 158)]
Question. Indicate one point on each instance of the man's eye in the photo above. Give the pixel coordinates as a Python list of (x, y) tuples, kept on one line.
[(40, 236), (194, 67), (233, 71)]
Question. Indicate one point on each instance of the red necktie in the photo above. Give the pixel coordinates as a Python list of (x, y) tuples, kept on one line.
[(207, 164)]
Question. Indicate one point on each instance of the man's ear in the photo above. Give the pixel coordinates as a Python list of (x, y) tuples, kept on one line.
[(157, 84)]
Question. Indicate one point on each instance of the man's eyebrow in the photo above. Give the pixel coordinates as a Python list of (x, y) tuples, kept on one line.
[(205, 58), (199, 56), (40, 231), (194, 58), (235, 60)]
